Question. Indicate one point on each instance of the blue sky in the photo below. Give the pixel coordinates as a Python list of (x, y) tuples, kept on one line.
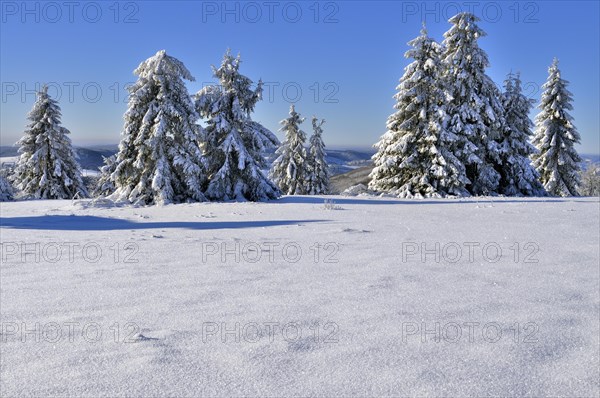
[(345, 57)]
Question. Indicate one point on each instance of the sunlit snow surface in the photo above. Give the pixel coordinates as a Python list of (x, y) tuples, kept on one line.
[(363, 313)]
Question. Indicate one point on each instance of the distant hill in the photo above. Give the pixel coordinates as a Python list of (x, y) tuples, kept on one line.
[(590, 159), (340, 182), (8, 151), (344, 161), (89, 158), (340, 160), (348, 162), (92, 159)]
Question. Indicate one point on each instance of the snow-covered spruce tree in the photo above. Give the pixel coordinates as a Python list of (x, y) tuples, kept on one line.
[(105, 185), (264, 139), (233, 141), (415, 156), (557, 160), (475, 111), (6, 190), (290, 170), (517, 175), (47, 167), (318, 169), (159, 159), (590, 181)]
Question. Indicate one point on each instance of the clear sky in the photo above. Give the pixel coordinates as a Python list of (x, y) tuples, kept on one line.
[(339, 60)]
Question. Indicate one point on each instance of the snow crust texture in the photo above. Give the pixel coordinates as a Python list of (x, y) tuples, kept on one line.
[(156, 310)]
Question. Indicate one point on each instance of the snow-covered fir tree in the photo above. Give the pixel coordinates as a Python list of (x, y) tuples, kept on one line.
[(290, 170), (159, 159), (555, 137), (590, 181), (6, 190), (415, 157), (318, 169), (233, 140), (517, 175), (475, 111), (105, 185), (47, 167), (265, 139)]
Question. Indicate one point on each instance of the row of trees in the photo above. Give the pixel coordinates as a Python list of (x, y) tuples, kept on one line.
[(455, 133), (164, 155), (297, 171)]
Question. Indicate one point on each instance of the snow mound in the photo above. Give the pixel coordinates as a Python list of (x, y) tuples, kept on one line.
[(355, 190)]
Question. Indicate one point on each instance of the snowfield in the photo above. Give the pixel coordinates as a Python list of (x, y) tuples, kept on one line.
[(8, 160), (377, 296)]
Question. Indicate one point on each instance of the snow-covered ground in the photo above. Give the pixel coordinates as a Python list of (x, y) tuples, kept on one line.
[(289, 298), (8, 160), (90, 173)]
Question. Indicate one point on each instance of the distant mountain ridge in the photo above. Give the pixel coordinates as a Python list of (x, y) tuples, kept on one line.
[(90, 158), (340, 160)]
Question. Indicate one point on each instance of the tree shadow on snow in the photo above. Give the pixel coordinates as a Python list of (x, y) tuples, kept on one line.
[(375, 200), (92, 223)]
